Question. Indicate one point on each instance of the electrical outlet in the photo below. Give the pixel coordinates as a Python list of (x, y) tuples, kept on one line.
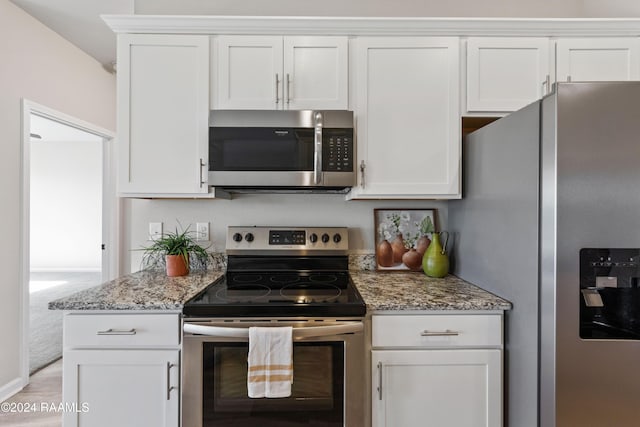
[(155, 230), (202, 231)]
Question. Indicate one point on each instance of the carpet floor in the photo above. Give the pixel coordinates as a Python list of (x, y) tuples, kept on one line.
[(45, 326)]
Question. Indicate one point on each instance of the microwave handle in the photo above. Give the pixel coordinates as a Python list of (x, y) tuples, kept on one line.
[(317, 148), (304, 332)]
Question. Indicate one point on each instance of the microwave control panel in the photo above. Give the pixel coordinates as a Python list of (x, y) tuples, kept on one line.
[(337, 150)]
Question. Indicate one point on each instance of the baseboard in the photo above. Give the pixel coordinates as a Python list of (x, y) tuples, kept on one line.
[(11, 388)]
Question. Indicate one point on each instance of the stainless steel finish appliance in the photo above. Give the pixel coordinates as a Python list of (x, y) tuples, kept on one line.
[(305, 150), (550, 220), (277, 276)]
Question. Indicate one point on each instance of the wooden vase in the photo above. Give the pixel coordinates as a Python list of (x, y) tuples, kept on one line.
[(398, 249), (177, 265), (384, 254), (422, 244), (413, 260)]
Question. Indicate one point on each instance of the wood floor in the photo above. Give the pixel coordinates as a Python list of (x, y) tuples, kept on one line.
[(43, 392)]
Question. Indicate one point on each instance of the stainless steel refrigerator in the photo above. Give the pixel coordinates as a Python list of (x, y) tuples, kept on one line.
[(550, 220)]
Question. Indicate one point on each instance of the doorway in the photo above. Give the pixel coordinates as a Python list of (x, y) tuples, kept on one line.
[(68, 219)]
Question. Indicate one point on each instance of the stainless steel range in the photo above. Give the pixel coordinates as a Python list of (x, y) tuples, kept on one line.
[(277, 276)]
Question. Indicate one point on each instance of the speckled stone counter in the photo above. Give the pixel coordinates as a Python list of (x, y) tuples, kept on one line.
[(415, 291), (144, 290)]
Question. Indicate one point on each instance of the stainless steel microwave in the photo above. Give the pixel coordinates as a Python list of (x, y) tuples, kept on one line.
[(291, 151)]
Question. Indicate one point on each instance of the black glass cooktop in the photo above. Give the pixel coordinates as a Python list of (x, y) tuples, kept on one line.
[(281, 293)]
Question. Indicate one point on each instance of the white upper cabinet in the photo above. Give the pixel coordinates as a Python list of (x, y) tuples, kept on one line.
[(408, 118), (163, 87), (505, 74), (273, 72), (598, 59)]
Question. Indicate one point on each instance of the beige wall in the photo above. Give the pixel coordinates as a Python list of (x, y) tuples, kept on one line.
[(451, 8), (40, 66)]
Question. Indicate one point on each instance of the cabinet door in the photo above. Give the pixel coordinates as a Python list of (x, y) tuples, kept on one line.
[(605, 59), (249, 72), (316, 73), (163, 89), (505, 74), (408, 119), (124, 388), (440, 388)]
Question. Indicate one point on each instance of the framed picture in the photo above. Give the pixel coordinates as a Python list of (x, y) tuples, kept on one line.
[(402, 237)]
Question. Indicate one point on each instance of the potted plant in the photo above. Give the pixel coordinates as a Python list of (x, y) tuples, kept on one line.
[(177, 251)]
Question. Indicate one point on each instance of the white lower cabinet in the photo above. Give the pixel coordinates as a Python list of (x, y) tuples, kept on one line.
[(450, 375), (121, 370)]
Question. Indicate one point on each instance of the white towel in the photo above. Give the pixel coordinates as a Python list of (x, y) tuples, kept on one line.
[(270, 372)]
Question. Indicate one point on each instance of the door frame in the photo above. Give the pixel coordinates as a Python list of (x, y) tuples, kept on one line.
[(111, 210)]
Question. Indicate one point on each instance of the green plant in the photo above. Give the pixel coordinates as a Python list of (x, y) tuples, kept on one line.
[(175, 243)]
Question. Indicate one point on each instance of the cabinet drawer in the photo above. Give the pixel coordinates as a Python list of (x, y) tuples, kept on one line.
[(121, 330), (437, 331)]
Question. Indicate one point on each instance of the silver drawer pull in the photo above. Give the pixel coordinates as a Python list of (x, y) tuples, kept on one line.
[(110, 331), (447, 333)]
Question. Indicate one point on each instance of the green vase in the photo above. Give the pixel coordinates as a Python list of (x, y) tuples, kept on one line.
[(435, 261)]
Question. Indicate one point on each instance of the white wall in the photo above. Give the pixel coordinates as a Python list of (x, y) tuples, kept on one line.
[(66, 205), (433, 8), (263, 209), (38, 65)]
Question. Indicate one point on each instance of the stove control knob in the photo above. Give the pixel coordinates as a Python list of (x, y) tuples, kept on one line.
[(325, 238), (313, 238), (248, 237), (237, 237), (336, 238)]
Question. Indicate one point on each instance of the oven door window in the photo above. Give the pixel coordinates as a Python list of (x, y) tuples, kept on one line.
[(317, 391), (261, 149)]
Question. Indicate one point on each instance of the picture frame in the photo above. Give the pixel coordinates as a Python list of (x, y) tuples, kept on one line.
[(401, 237)]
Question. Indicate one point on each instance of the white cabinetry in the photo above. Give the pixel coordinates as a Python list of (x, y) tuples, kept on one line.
[(440, 370), (121, 369), (505, 74), (163, 110), (273, 72), (598, 59), (408, 118)]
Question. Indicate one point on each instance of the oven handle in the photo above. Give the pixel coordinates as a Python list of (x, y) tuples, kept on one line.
[(304, 332)]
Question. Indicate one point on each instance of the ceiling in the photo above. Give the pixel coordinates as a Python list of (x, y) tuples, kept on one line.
[(79, 22)]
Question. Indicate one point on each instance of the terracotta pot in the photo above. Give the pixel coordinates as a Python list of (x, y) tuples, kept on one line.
[(384, 254), (398, 249), (177, 265), (413, 260), (422, 244)]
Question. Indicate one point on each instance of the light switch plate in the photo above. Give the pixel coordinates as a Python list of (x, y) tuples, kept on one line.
[(202, 231), (155, 230)]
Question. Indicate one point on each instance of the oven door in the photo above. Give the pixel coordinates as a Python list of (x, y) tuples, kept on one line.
[(328, 370)]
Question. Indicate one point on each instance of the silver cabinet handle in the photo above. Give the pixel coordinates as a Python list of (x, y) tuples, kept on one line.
[(111, 331), (277, 89), (202, 164), (546, 85), (447, 333), (362, 167), (288, 90), (169, 386), (317, 150), (379, 380)]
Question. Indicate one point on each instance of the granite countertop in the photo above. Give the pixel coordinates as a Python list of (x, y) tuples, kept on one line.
[(153, 290), (144, 290), (415, 291)]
